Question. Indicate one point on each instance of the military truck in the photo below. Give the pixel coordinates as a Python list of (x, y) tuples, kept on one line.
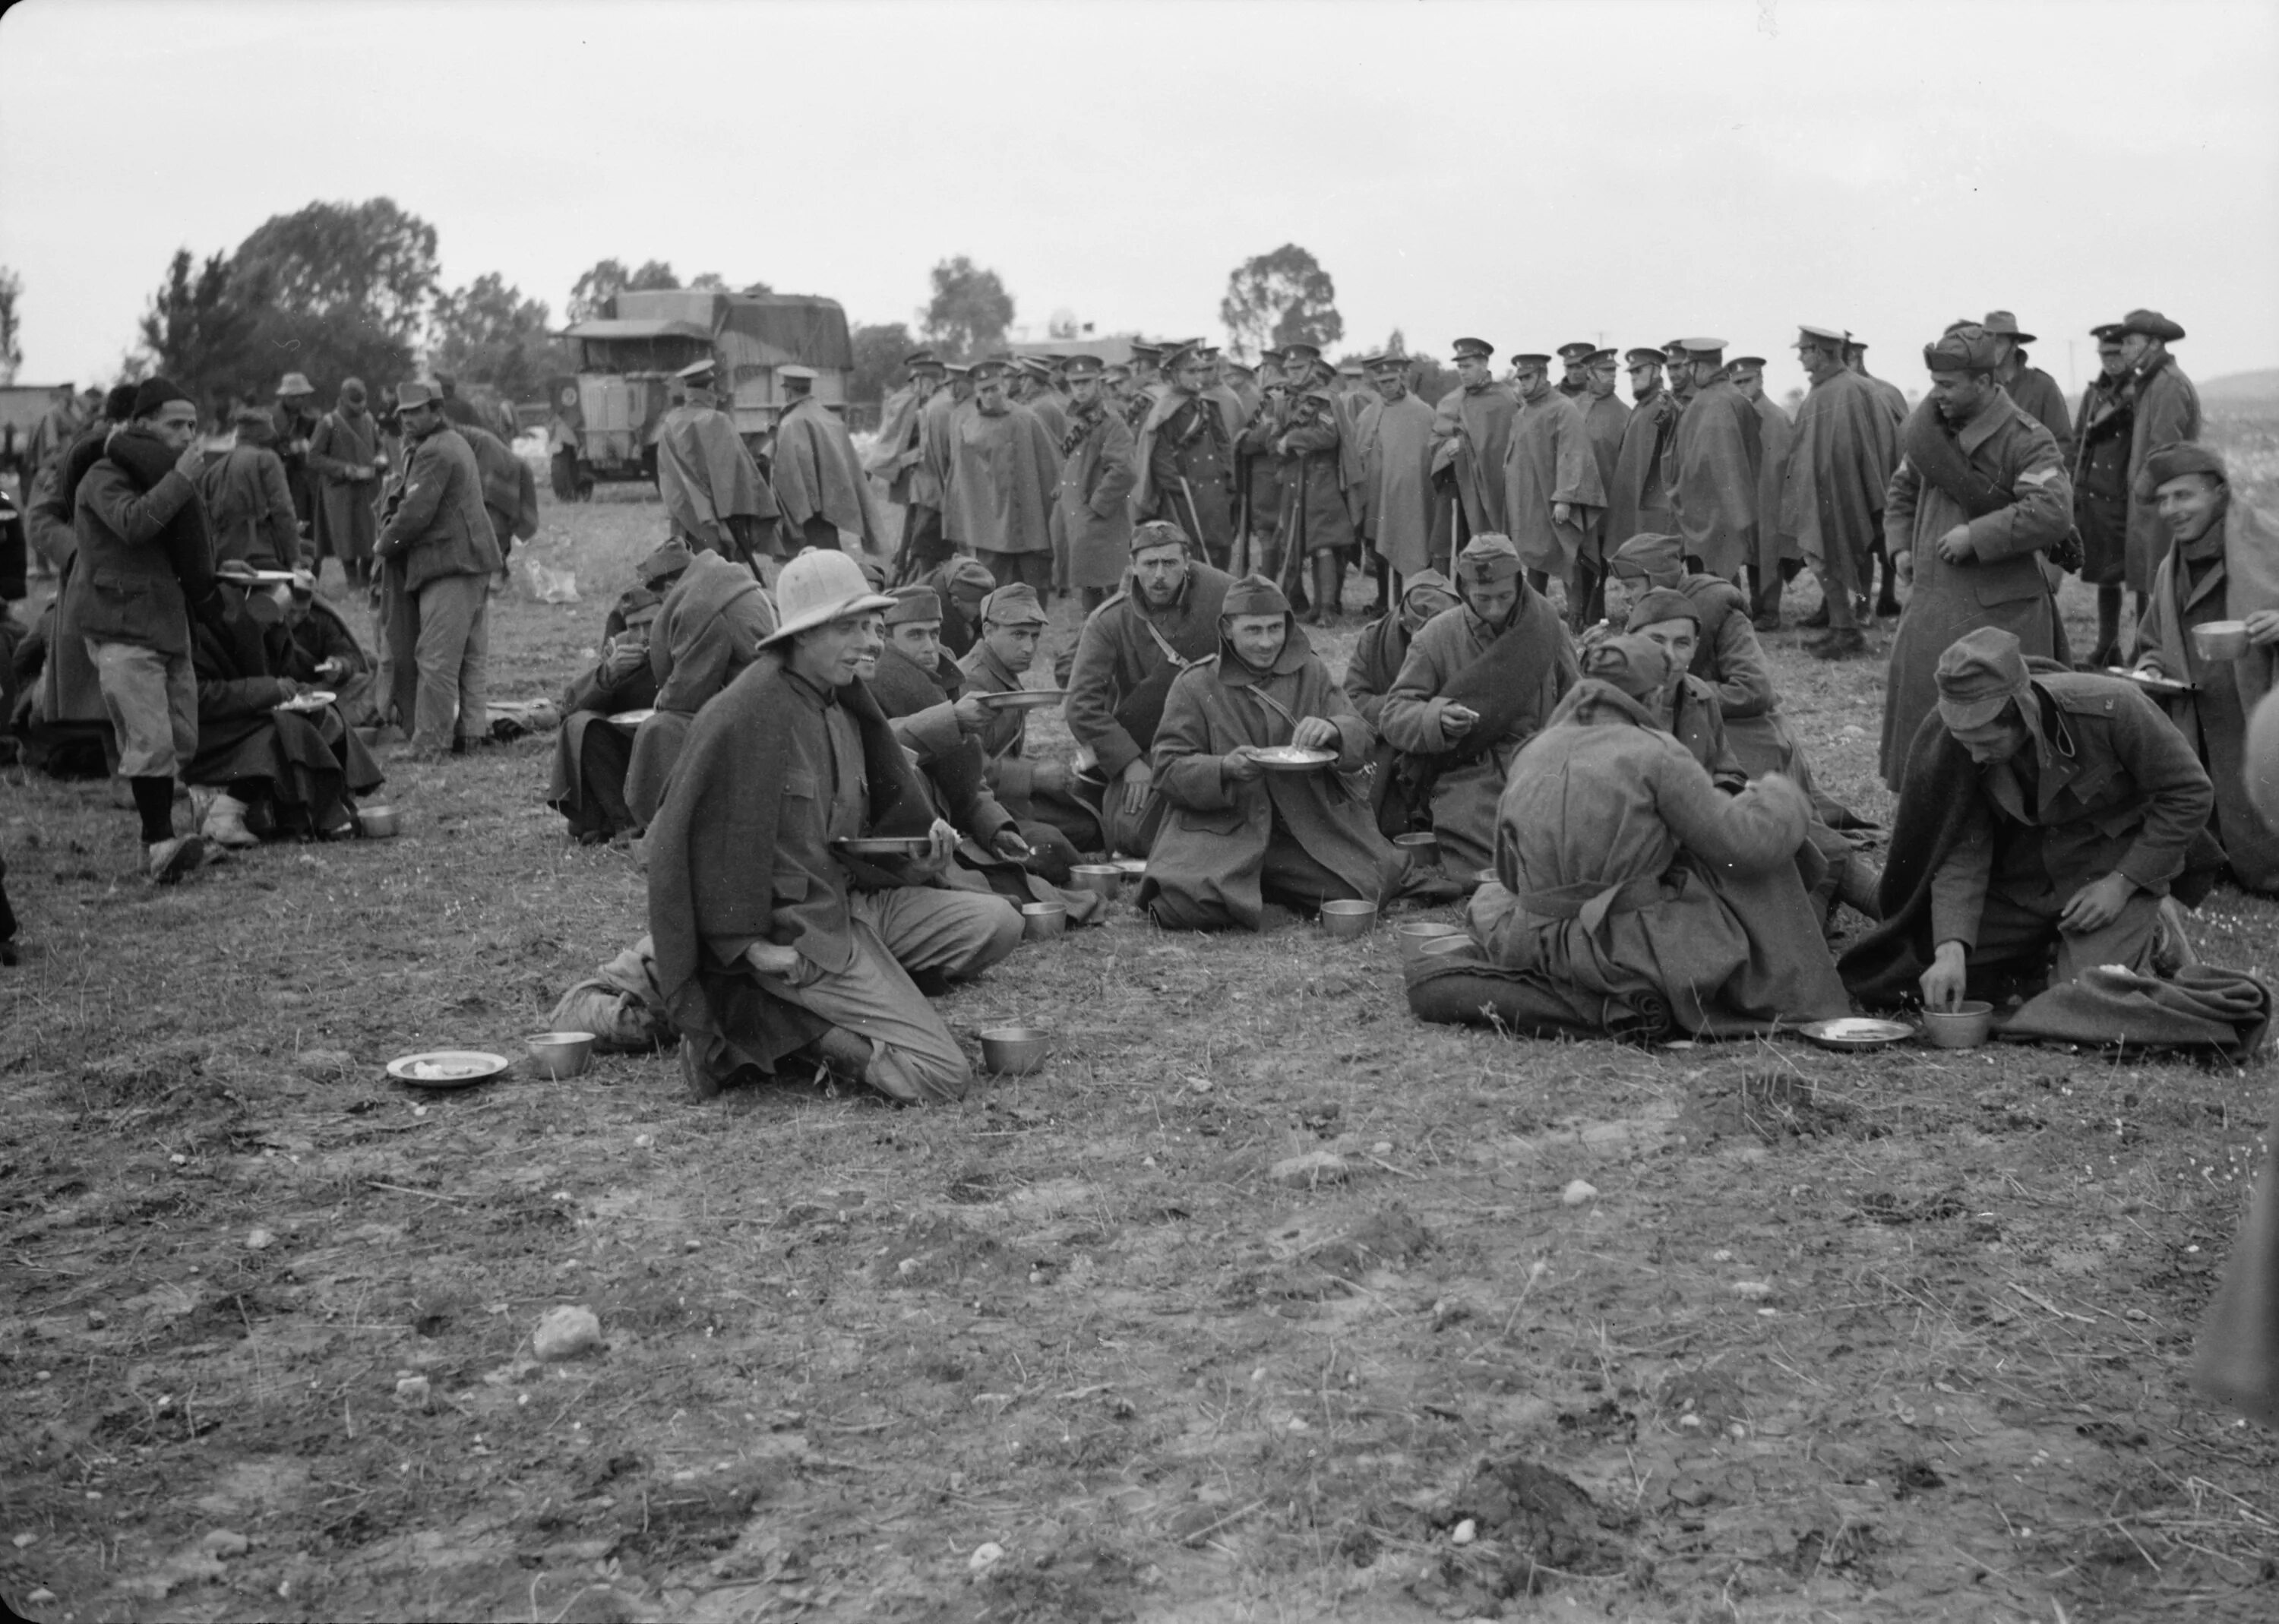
[(606, 413)]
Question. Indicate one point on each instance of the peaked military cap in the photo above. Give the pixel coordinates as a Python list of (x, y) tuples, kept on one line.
[(1468, 349), (1577, 352), (1645, 357)]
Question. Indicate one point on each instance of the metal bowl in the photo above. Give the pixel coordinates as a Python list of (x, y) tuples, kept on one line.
[(378, 823), (1446, 947), (1965, 1026), (1011, 1051), (1103, 879), (2219, 639), (1347, 920), (1042, 921), (1419, 934), (1422, 848), (560, 1054)]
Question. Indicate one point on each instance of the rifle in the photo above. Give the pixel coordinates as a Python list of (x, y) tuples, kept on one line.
[(1242, 530), (1195, 519)]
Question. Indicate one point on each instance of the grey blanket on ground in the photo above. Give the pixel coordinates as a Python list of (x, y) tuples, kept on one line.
[(2203, 1007), (1466, 989)]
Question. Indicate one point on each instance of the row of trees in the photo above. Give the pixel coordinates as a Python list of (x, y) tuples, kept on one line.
[(335, 290)]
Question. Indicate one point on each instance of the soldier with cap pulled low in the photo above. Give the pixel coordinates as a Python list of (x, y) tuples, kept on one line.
[(1639, 498), (2100, 488), (1716, 456), (1777, 556), (1185, 459), (1842, 450), (1096, 476), (1551, 490), (1004, 481), (1575, 370), (2036, 393), (2045, 818), (1038, 790)]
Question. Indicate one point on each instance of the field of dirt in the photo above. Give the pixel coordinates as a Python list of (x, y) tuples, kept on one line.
[(1534, 1331)]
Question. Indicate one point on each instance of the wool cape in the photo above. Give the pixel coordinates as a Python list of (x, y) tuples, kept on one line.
[(2214, 716), (1840, 457), (1208, 859), (1396, 441), (1638, 500), (1549, 460), (712, 850), (1004, 481), (706, 476), (1774, 433), (1716, 456), (815, 473), (1474, 459)]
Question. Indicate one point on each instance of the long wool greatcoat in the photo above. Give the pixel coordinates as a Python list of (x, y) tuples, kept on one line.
[(1485, 415), (1315, 514), (1464, 797), (1004, 479), (1205, 866), (1715, 458), (2168, 409), (1184, 460), (1115, 655), (1621, 871), (1638, 502), (2243, 578), (2001, 584), (814, 472), (1096, 479), (1840, 458), (1548, 460)]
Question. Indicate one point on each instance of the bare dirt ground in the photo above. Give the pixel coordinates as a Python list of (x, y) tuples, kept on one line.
[(1836, 1338)]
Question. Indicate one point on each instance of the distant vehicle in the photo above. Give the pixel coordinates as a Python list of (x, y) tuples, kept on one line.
[(605, 414)]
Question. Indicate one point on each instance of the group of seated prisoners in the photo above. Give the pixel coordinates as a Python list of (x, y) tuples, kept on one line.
[(1639, 833)]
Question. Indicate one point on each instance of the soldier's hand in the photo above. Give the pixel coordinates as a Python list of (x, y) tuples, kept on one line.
[(1315, 733), (192, 461), (1137, 779), (1562, 512), (770, 959), (1942, 984), (1007, 843), (1239, 766), (1955, 545), (2097, 904), (1904, 563), (942, 841), (1458, 720), (2263, 627), (972, 714)]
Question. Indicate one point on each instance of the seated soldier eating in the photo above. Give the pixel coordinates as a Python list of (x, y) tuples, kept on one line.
[(261, 771), (1381, 647), (1479, 680), (2043, 817), (591, 753), (709, 628), (1036, 790), (1236, 838), (1628, 885), (769, 938)]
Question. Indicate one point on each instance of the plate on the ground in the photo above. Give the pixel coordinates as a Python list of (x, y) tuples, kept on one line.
[(1134, 867), (313, 700), (1023, 699), (2148, 682), (634, 718), (1291, 758), (1857, 1032), (885, 845), (447, 1068)]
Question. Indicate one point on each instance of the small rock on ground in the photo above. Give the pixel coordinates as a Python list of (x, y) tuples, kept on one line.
[(565, 1333), (1313, 1167)]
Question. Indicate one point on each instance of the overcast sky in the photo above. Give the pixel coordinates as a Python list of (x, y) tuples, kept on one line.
[(1624, 170)]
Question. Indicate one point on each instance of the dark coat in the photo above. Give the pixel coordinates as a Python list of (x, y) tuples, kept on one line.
[(1115, 655), (2167, 409), (1096, 480), (341, 448), (1206, 863), (437, 523), (250, 508), (126, 584)]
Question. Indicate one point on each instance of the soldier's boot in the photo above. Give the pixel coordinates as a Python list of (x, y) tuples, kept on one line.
[(1860, 886), (222, 821)]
